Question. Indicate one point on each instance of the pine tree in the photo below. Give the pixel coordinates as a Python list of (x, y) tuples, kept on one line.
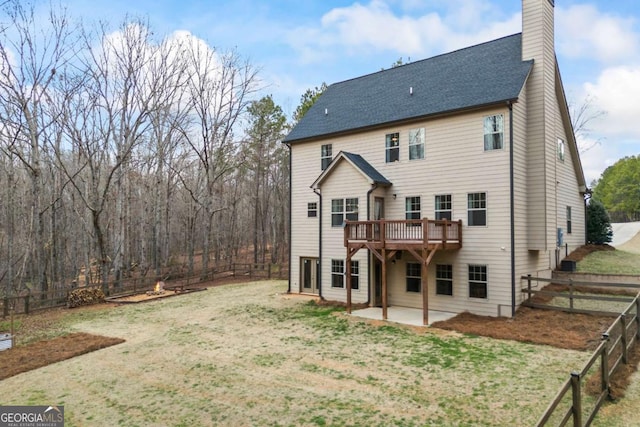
[(598, 223)]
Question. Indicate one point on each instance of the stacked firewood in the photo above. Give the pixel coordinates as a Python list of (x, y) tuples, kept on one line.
[(85, 296)]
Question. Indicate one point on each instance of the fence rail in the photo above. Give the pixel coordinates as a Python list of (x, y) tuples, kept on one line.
[(574, 294), (613, 350), (57, 296)]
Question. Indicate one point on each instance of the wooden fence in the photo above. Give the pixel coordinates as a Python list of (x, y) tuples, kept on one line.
[(57, 295), (575, 291), (582, 395)]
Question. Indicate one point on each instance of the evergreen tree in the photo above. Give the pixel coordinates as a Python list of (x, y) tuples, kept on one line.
[(598, 223)]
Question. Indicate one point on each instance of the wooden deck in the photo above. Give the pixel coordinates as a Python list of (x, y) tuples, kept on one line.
[(403, 234), (422, 238)]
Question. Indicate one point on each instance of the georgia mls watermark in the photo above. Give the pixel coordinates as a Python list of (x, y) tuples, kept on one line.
[(31, 416)]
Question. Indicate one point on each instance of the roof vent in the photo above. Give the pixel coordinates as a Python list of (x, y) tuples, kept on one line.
[(326, 111), (410, 90)]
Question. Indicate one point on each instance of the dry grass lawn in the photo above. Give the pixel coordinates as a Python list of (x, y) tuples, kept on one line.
[(251, 355)]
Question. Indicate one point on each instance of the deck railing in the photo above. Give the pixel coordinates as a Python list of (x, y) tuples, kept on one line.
[(428, 231)]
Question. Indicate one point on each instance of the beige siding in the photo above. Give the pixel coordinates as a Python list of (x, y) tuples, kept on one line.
[(305, 167), (537, 43)]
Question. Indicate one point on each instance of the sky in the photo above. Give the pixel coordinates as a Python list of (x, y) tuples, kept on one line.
[(298, 44)]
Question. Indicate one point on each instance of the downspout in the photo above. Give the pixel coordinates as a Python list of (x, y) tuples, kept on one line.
[(512, 214), (290, 213), (373, 187), (319, 270)]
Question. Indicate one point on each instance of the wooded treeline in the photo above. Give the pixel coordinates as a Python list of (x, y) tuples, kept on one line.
[(120, 151), (618, 189)]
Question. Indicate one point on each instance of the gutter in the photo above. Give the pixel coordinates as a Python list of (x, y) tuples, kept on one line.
[(290, 216), (512, 214), (319, 270)]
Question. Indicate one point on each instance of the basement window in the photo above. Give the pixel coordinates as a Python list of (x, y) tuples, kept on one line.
[(478, 281), (414, 277)]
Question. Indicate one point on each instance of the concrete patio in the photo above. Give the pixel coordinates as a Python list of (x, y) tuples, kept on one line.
[(403, 315)]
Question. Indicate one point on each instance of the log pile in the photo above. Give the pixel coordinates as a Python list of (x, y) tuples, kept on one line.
[(85, 296)]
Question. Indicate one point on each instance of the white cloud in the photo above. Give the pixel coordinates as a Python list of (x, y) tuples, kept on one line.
[(583, 31), (596, 159), (617, 91), (375, 27)]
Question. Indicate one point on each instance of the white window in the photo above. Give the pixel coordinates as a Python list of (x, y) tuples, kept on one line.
[(337, 273), (325, 156), (337, 212), (493, 132), (477, 209), (443, 206), (355, 275), (412, 205), (312, 209), (342, 209), (416, 144), (561, 150), (351, 212), (392, 147), (478, 281), (444, 279), (414, 277)]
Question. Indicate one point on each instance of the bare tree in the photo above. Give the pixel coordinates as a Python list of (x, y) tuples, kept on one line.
[(582, 117), (30, 56), (219, 89)]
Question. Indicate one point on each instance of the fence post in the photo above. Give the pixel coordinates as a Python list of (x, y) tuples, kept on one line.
[(623, 338), (269, 272), (576, 408), (5, 307), (638, 315), (604, 368), (529, 288), (571, 294), (26, 304)]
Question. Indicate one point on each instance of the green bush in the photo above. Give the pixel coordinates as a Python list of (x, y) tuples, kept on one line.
[(598, 223)]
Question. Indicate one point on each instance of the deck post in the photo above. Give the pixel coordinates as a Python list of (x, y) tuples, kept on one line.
[(425, 289), (348, 274), (384, 284)]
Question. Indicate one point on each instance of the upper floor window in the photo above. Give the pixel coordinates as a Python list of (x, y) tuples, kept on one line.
[(477, 208), (414, 277), (443, 206), (392, 147), (568, 219), (342, 209), (325, 155), (561, 150), (312, 209), (412, 208), (351, 211), (444, 279), (416, 144), (493, 132)]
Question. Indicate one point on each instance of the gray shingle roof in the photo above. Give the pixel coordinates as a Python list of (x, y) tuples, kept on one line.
[(360, 163), (485, 74)]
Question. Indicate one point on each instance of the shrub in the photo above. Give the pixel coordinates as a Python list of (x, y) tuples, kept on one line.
[(598, 223)]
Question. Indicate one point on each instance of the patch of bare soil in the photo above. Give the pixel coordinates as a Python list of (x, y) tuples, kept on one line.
[(584, 250), (42, 353)]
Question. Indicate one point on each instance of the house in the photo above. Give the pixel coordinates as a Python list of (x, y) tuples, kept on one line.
[(438, 184)]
